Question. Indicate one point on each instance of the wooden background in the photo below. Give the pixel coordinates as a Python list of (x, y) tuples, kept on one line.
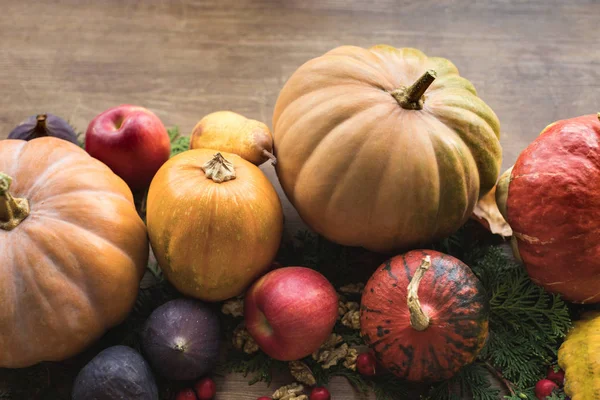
[(532, 61)]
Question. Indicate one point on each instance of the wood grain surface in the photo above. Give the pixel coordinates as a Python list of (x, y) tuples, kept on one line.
[(532, 61)]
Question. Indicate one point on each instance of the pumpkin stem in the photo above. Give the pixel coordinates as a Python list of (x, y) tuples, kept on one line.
[(12, 211), (270, 156), (219, 169), (418, 319), (411, 98)]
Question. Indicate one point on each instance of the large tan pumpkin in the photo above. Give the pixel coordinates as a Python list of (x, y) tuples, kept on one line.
[(384, 148), (72, 250), (214, 221)]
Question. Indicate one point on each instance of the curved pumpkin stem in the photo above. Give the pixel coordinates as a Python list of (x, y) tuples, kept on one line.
[(411, 98), (219, 169), (270, 156), (418, 319), (12, 211)]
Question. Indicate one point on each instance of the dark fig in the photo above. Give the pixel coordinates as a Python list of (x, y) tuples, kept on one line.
[(44, 125), (118, 372), (181, 339)]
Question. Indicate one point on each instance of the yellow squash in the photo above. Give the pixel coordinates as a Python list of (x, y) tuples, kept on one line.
[(579, 357)]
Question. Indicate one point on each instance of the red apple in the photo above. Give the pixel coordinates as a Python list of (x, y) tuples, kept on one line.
[(290, 312), (132, 141)]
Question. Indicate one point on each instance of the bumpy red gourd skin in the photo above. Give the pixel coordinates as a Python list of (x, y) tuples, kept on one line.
[(452, 297), (553, 207)]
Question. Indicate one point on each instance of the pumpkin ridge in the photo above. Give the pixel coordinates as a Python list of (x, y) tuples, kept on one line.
[(46, 176), (348, 174), (312, 110), (329, 135), (86, 293), (85, 232), (14, 165), (41, 297)]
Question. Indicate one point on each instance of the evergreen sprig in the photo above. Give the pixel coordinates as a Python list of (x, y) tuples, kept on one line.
[(527, 323), (179, 143)]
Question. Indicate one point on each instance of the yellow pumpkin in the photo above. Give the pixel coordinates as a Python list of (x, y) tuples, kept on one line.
[(579, 357), (384, 148), (72, 250), (215, 223)]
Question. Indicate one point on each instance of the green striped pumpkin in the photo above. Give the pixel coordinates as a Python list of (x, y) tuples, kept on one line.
[(384, 148)]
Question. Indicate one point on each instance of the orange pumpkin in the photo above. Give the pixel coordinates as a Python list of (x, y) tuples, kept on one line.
[(384, 148), (214, 221), (73, 250)]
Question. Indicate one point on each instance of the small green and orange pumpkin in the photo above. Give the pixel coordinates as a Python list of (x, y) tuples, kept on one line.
[(425, 315)]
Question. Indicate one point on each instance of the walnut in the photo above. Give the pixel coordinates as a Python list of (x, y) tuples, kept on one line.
[(350, 360), (290, 392), (328, 354), (302, 373), (233, 307), (353, 288), (243, 341), (352, 319)]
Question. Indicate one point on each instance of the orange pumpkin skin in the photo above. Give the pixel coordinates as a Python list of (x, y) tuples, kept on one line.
[(71, 269), (211, 239), (551, 199), (361, 169), (452, 297)]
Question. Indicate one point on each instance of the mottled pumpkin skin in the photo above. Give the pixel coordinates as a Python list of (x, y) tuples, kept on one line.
[(552, 203), (72, 268), (579, 357), (363, 171), (452, 297), (212, 239)]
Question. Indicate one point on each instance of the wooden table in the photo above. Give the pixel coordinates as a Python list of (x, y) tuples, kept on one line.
[(532, 61)]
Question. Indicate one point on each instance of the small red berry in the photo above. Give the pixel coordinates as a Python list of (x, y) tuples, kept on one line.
[(366, 364), (556, 376), (544, 388), (205, 389), (320, 393), (264, 398), (186, 394)]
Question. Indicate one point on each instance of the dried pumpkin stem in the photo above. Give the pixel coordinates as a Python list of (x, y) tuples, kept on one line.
[(270, 156), (41, 129), (418, 319), (12, 211), (219, 169), (411, 98)]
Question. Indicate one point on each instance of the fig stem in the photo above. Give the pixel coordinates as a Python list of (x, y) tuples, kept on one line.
[(41, 127), (219, 169), (411, 98), (419, 320), (12, 210), (270, 156)]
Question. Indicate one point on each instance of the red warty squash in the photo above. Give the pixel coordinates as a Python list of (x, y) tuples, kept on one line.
[(551, 199), (425, 315), (72, 250), (215, 223), (384, 148)]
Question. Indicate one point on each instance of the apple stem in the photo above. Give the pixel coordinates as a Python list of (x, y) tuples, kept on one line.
[(219, 169), (411, 98), (12, 211), (418, 319), (269, 155)]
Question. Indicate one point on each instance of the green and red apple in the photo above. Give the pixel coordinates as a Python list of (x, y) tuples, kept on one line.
[(132, 141), (290, 312)]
